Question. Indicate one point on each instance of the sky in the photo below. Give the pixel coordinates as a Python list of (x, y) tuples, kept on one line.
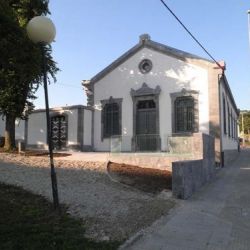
[(91, 34)]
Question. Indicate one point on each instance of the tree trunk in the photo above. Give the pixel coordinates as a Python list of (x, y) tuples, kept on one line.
[(9, 143)]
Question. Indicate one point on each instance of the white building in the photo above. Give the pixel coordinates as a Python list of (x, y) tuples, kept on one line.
[(70, 128), (154, 91), (150, 93)]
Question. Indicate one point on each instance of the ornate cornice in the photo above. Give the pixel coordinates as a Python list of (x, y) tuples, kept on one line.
[(145, 90)]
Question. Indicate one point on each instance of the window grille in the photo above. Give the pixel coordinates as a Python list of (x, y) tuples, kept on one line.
[(224, 116), (184, 110), (111, 113)]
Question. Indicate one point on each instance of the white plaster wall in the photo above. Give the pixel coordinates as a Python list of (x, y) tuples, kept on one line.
[(37, 130), (228, 143), (87, 127), (170, 73), (2, 126), (72, 125), (20, 127)]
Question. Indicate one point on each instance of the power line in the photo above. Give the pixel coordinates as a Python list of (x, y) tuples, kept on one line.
[(181, 23), (68, 85), (248, 14)]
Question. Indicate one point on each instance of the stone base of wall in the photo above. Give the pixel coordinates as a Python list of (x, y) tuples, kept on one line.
[(189, 176), (148, 160), (87, 148), (73, 147), (230, 155), (77, 147), (37, 146)]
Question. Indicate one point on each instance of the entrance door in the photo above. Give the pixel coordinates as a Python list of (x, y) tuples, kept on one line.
[(59, 131), (147, 138)]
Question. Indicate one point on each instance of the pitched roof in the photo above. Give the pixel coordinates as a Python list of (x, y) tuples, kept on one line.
[(146, 42)]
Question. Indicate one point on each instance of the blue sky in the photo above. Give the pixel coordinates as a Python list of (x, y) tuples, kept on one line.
[(93, 33)]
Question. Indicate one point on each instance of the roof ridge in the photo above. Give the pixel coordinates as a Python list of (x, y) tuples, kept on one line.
[(146, 42)]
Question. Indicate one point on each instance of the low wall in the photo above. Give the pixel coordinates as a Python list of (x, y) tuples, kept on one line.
[(161, 161), (189, 176)]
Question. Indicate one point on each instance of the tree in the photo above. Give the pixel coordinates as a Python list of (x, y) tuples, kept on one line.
[(246, 120), (20, 62)]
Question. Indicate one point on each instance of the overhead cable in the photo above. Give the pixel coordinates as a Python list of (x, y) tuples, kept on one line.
[(181, 23)]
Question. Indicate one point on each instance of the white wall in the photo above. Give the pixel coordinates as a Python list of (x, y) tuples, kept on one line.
[(171, 74), (20, 127), (37, 129), (72, 125), (228, 143), (87, 127)]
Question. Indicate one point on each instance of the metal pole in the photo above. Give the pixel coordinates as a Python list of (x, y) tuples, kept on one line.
[(248, 15), (52, 168)]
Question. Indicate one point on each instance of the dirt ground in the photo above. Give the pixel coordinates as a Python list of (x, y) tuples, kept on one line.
[(145, 179), (114, 200)]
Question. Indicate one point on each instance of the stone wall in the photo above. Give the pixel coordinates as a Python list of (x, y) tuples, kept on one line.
[(189, 176), (229, 156)]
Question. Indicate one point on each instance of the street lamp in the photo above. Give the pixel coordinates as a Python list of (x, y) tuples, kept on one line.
[(41, 30)]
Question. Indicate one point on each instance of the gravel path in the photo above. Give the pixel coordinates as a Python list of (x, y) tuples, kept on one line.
[(111, 211)]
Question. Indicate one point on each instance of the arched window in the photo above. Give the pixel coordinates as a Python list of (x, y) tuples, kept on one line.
[(184, 114)]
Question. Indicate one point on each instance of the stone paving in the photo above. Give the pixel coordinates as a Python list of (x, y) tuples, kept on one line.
[(217, 217)]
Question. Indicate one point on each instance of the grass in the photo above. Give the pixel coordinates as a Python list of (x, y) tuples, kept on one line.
[(28, 221)]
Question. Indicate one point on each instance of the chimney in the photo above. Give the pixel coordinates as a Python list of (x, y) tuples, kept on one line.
[(144, 38)]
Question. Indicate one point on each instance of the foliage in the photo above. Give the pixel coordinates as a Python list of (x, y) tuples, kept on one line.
[(27, 9), (21, 64), (29, 221), (246, 120), (21, 60)]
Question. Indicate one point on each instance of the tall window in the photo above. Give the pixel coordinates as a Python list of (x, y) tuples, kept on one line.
[(111, 119), (232, 124), (228, 117), (184, 114), (224, 116)]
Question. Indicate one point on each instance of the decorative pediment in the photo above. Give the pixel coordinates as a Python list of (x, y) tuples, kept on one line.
[(111, 100), (184, 92), (145, 90)]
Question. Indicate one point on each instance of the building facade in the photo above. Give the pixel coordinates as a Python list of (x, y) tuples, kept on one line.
[(154, 91), (71, 128), (149, 94)]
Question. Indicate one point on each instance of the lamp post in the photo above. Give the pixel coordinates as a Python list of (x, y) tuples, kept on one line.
[(41, 30), (248, 15)]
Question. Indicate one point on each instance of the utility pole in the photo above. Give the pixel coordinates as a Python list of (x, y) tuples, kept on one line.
[(248, 14)]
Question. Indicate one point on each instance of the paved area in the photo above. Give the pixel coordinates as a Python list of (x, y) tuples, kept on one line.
[(217, 217)]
